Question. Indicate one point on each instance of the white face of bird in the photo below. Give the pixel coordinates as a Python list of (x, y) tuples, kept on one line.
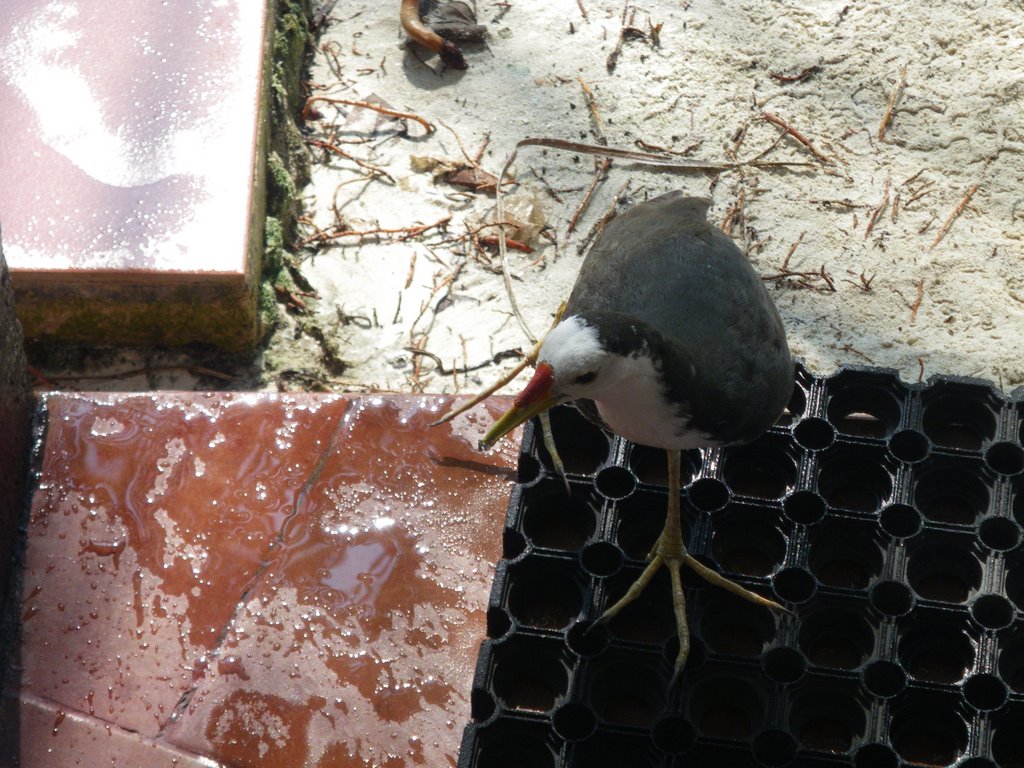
[(571, 365), (579, 364)]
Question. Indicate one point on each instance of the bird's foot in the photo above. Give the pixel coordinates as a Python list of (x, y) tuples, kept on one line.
[(669, 552), (670, 555)]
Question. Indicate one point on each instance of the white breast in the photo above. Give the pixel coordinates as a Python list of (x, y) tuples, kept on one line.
[(637, 409)]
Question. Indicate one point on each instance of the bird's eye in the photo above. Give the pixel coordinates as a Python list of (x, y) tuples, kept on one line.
[(586, 378)]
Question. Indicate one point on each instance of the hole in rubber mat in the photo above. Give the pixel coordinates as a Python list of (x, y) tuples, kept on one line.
[(764, 468), (674, 735), (804, 507), (553, 520), (529, 674), (876, 756), (544, 593), (574, 721), (627, 692), (794, 585), (901, 521), (748, 541), (854, 479), (814, 434), (1005, 458), (845, 554), (585, 638), (992, 611), (951, 492), (730, 625), (909, 445), (774, 748), (927, 728), (884, 679), (956, 421), (985, 691), (784, 665), (601, 558), (999, 533), (582, 446), (836, 638), (863, 410), (514, 743), (615, 482), (726, 707), (892, 598), (936, 651), (708, 494), (827, 717), (1008, 739), (946, 571)]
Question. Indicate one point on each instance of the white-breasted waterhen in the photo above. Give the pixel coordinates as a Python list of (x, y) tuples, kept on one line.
[(668, 339)]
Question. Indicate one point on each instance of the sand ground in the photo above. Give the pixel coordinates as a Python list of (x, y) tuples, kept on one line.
[(905, 251)]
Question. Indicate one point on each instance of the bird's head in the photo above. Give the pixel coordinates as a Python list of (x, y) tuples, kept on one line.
[(572, 364)]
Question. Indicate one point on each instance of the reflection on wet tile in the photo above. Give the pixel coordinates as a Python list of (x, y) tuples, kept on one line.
[(54, 736), (251, 577), (129, 130)]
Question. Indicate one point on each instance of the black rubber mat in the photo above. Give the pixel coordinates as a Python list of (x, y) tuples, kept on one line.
[(886, 516)]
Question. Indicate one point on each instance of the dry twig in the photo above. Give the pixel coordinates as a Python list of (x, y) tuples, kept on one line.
[(893, 98), (404, 233), (428, 127), (917, 302), (954, 215), (797, 78), (776, 120), (877, 211), (336, 150), (792, 249)]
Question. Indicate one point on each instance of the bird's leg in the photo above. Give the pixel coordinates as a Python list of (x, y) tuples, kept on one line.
[(549, 443), (669, 552)]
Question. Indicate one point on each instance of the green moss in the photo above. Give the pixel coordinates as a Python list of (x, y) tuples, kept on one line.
[(273, 248), (268, 309), (282, 193), (291, 40), (330, 351), (288, 162), (161, 316)]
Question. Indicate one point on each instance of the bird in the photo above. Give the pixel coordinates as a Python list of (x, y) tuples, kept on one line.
[(669, 339)]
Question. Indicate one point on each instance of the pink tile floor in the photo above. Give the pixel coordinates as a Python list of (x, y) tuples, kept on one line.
[(256, 580)]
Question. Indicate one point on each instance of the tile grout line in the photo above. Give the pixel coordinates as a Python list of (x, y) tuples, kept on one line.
[(45, 703), (313, 479)]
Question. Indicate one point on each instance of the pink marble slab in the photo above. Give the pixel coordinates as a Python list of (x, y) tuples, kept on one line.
[(128, 142), (259, 580)]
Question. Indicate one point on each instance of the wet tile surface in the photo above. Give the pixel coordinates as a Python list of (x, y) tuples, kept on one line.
[(300, 579), (129, 129)]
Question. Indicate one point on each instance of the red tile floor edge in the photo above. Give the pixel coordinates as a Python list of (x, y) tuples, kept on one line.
[(131, 167), (293, 580)]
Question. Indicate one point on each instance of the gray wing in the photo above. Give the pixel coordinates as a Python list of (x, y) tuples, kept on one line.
[(664, 264)]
